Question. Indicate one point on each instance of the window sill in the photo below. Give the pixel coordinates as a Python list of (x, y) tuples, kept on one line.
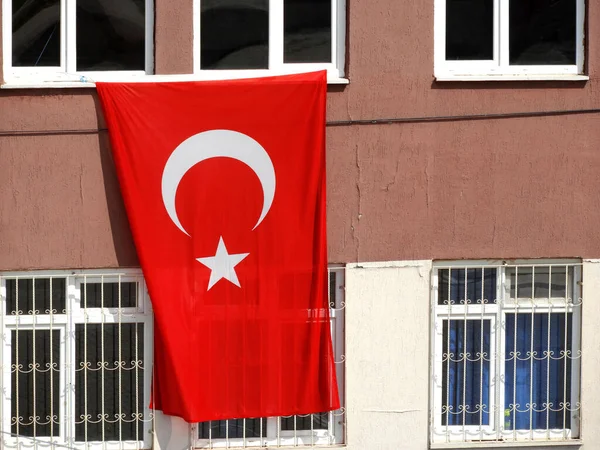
[(499, 444), (519, 77), (31, 83)]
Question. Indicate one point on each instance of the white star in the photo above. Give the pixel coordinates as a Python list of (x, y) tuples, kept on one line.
[(222, 265)]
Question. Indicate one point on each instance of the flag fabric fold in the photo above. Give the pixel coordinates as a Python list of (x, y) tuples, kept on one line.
[(224, 187)]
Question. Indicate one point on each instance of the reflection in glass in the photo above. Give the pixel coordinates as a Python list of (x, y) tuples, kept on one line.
[(540, 281), (35, 33), (111, 34), (307, 31), (316, 421), (469, 30), (542, 32), (234, 34), (233, 428)]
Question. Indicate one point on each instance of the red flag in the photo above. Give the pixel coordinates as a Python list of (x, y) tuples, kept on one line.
[(224, 186)]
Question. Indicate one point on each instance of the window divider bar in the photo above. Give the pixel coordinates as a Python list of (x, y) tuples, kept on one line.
[(68, 16), (70, 366), (548, 343), (580, 36), (501, 38), (276, 34), (149, 47), (576, 324)]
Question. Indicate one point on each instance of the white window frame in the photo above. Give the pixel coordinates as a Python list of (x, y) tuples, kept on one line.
[(67, 71), (443, 435), (76, 314), (335, 69), (499, 68), (335, 434)]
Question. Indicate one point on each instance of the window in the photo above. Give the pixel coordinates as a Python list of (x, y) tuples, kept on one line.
[(509, 37), (506, 352), (319, 429), (61, 40), (75, 360), (235, 38)]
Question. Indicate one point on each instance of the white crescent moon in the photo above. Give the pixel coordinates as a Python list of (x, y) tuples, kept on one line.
[(215, 144)]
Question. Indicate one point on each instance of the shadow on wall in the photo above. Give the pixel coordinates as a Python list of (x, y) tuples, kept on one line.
[(508, 84), (119, 225)]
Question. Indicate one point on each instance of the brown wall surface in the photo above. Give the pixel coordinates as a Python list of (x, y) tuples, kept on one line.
[(494, 188)]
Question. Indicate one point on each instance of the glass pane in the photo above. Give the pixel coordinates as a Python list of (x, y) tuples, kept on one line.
[(469, 30), (233, 428), (539, 281), (111, 35), (98, 295), (542, 31), (111, 384), (479, 282), (234, 34), (334, 301), (307, 31), (48, 292), (320, 421), (38, 371), (35, 33), (466, 373), (538, 371)]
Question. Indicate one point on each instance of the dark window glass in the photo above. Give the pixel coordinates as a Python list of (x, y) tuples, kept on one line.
[(333, 300), (93, 295), (47, 292), (112, 383), (111, 35), (478, 282), (466, 372), (37, 374), (320, 421), (542, 31), (233, 428), (35, 33), (307, 31), (234, 35), (469, 30)]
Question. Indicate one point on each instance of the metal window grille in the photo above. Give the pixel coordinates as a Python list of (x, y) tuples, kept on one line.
[(312, 430), (75, 360), (506, 352)]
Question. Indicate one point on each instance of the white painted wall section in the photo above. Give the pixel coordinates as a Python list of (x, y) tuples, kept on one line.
[(387, 355)]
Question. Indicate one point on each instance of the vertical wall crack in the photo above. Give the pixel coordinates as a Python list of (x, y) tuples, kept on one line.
[(359, 202)]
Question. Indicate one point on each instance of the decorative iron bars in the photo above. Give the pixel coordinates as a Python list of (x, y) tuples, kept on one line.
[(75, 360), (506, 352), (75, 368), (312, 430)]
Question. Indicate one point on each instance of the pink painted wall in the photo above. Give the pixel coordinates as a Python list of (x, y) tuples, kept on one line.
[(501, 188)]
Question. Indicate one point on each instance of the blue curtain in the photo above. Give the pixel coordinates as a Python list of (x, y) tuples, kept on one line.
[(475, 374), (546, 376), (545, 389)]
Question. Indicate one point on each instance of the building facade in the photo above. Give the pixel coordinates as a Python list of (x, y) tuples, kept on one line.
[(462, 208)]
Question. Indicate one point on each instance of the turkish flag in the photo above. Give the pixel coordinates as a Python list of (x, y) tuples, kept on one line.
[(224, 186)]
